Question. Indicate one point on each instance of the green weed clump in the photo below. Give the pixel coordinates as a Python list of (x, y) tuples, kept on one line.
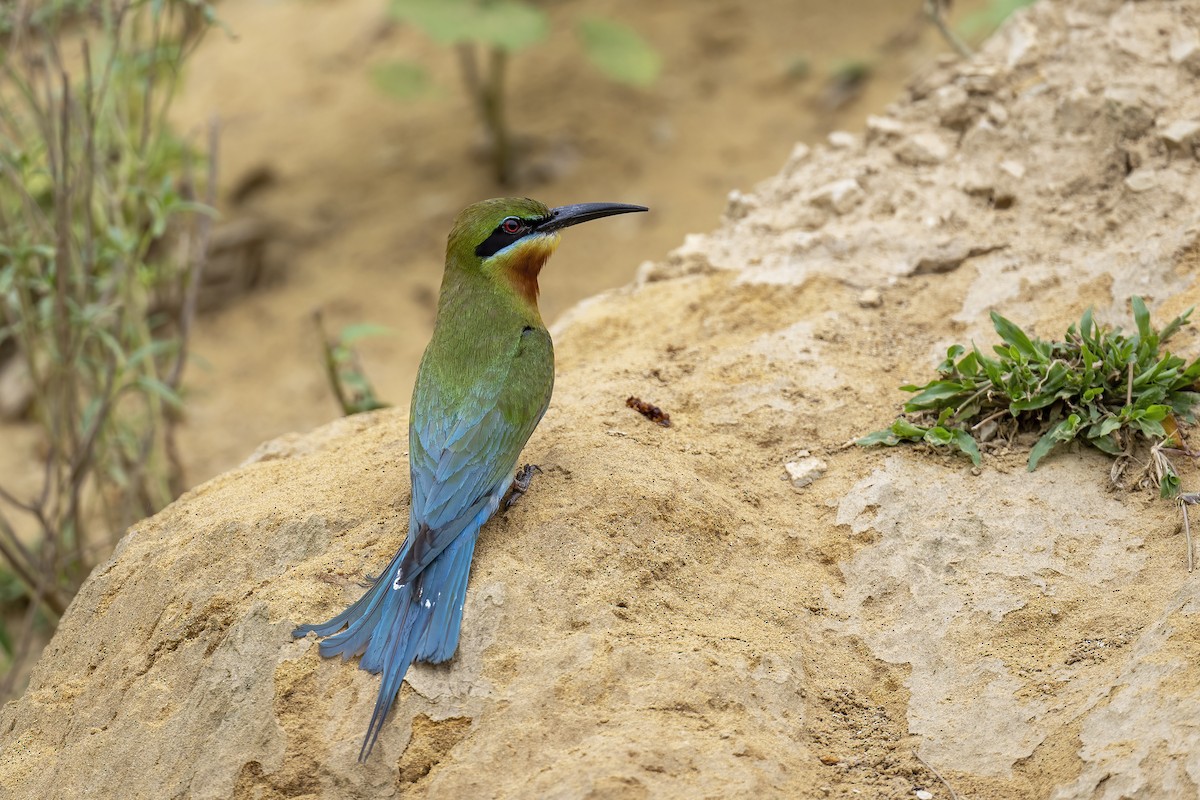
[(1109, 389)]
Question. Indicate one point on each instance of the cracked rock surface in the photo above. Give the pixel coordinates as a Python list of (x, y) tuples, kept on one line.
[(665, 614)]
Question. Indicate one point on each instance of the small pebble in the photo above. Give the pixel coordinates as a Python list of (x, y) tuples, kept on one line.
[(924, 794), (1180, 134), (1141, 180), (922, 148), (870, 298), (1014, 168), (840, 196), (805, 471), (879, 128), (843, 140)]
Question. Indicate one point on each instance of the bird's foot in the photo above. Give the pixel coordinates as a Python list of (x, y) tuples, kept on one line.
[(521, 483)]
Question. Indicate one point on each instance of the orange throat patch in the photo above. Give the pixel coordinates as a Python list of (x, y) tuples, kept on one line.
[(526, 260)]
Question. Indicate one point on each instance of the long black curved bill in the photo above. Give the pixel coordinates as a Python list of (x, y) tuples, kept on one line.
[(566, 216)]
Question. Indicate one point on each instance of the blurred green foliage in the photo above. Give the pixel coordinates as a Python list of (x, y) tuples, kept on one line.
[(347, 379), (983, 22), (486, 33), (101, 243), (619, 52), (511, 25)]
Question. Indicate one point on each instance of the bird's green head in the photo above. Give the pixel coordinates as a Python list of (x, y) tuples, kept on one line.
[(509, 239)]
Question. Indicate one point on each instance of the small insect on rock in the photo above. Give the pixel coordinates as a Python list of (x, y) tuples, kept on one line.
[(650, 412)]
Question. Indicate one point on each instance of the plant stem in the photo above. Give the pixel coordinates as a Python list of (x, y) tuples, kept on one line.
[(497, 124), (488, 98), (933, 9)]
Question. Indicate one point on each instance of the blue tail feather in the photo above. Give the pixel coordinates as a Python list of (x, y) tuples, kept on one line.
[(394, 665), (391, 627), (449, 572)]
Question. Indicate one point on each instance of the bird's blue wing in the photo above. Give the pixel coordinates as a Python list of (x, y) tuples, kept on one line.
[(462, 456)]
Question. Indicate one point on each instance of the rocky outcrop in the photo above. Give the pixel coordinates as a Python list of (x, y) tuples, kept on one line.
[(669, 613)]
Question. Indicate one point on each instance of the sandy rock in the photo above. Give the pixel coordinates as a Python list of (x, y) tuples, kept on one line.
[(798, 156), (740, 204), (839, 196), (949, 256), (843, 140), (1185, 48), (923, 148), (954, 107), (870, 298), (804, 471), (1181, 136), (1141, 180), (883, 128), (662, 615), (1128, 105)]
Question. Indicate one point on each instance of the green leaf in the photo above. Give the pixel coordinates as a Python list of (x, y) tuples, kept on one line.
[(619, 52), (905, 429), (1106, 443), (968, 445), (1087, 329), (1044, 445), (987, 20), (361, 330), (506, 24), (151, 349), (1031, 403), (968, 366), (1169, 486), (1156, 413), (1141, 315), (947, 366), (883, 437), (1182, 403), (938, 435), (156, 387), (991, 367), (1016, 337), (1149, 427), (1062, 431), (935, 394), (403, 80), (1174, 325)]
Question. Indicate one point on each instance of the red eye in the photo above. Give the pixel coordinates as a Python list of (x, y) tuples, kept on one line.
[(511, 225)]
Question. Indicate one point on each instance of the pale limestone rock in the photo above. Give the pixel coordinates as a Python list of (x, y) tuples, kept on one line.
[(840, 196), (843, 140), (922, 149), (1181, 134), (1141, 180), (803, 472), (870, 298)]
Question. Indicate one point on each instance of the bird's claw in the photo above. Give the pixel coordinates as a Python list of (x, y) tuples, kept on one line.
[(520, 485)]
